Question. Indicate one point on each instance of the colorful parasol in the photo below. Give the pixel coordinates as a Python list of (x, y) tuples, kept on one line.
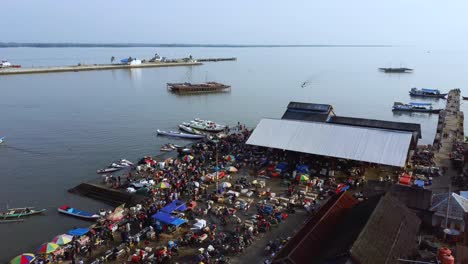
[(302, 177), (230, 158), (25, 258), (62, 239), (225, 185), (163, 185), (232, 169), (187, 158), (47, 248)]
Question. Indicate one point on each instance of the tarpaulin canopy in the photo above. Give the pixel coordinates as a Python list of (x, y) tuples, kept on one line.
[(381, 146), (281, 166), (177, 205), (78, 231), (168, 219), (405, 179), (302, 168), (420, 104), (435, 91), (419, 183)]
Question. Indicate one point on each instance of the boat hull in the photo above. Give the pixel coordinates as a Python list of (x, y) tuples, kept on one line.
[(108, 170), (433, 111), (19, 215), (79, 214), (428, 95), (189, 130), (180, 135)]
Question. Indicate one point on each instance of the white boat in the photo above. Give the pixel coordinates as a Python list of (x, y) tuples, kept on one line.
[(2, 139), (122, 161), (186, 127), (115, 165), (107, 170), (179, 134), (206, 125)]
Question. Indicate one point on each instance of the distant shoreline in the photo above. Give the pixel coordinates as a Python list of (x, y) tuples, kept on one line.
[(128, 45)]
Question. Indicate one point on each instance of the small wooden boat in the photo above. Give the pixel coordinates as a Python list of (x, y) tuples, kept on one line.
[(431, 93), (65, 209), (188, 129), (20, 212), (179, 134), (396, 70), (415, 107), (107, 170)]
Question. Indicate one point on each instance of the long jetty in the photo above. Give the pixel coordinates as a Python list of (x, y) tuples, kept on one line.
[(449, 132), (99, 67), (93, 67)]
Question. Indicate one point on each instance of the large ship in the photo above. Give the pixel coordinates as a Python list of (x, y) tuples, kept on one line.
[(197, 88)]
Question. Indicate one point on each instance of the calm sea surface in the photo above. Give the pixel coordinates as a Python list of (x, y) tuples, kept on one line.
[(61, 127)]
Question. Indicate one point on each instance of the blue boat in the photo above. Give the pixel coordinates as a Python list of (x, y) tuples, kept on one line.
[(65, 209), (432, 93)]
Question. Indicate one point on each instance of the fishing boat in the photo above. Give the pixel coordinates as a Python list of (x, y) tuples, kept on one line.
[(415, 107), (2, 139), (396, 70), (118, 165), (432, 93), (188, 129), (197, 87), (20, 212), (206, 125), (65, 209), (107, 170), (169, 147), (179, 134)]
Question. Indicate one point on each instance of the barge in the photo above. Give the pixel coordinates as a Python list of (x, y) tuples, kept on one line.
[(198, 88)]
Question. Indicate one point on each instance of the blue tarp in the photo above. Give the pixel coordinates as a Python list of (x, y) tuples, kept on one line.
[(124, 60), (281, 166), (430, 90), (176, 205), (420, 104), (302, 168), (419, 183), (168, 219), (78, 231)]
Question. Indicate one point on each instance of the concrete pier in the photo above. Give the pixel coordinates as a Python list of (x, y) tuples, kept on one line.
[(449, 131), (93, 67)]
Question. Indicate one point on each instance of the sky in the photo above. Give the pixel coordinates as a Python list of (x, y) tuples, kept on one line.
[(292, 22)]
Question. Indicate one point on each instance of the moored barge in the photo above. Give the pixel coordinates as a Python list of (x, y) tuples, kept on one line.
[(197, 88)]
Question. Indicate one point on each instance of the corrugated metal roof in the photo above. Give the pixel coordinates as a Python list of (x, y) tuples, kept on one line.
[(349, 142)]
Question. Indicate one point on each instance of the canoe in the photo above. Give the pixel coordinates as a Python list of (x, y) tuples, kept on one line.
[(107, 170), (20, 212), (179, 134), (188, 129), (77, 213)]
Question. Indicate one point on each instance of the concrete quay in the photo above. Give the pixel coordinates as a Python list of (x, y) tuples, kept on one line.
[(93, 67)]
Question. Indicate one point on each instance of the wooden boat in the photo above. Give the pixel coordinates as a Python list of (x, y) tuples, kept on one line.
[(107, 170), (20, 212), (190, 130), (431, 93), (197, 88), (396, 70), (415, 107), (179, 134), (65, 209)]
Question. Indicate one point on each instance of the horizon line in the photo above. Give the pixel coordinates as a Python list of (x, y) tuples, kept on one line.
[(124, 45)]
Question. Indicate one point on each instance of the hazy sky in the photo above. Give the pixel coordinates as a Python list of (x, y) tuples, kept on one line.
[(398, 22)]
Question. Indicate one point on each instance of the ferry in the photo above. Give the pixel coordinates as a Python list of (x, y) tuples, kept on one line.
[(432, 93), (415, 107), (396, 70)]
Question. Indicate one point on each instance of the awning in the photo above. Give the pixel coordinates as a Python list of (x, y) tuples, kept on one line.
[(177, 205), (381, 146), (168, 219), (78, 231)]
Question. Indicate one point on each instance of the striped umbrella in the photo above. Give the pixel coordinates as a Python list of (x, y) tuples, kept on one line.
[(62, 239), (47, 248), (163, 185), (25, 258)]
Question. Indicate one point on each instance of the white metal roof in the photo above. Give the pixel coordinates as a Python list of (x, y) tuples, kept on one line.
[(380, 146)]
